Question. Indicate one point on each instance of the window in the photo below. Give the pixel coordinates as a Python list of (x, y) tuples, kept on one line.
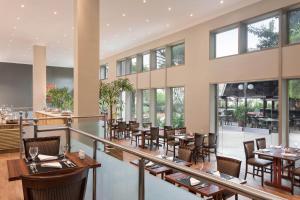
[(226, 43), (294, 112), (146, 62), (160, 106), (177, 54), (160, 58), (263, 34), (178, 107), (121, 106), (133, 106), (146, 106), (294, 26), (121, 67), (133, 65), (103, 72)]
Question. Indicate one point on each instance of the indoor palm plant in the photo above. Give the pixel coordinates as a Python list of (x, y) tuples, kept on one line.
[(109, 95), (60, 98)]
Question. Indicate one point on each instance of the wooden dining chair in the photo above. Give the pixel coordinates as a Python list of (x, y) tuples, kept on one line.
[(229, 166), (46, 145), (211, 145), (163, 137), (66, 186), (185, 154), (135, 133), (258, 164), (294, 181), (197, 148), (153, 137), (121, 130), (171, 142)]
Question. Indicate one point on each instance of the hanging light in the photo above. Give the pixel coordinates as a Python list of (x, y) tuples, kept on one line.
[(250, 86), (241, 86)]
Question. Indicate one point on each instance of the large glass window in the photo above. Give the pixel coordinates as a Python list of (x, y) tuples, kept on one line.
[(294, 112), (177, 54), (103, 72), (263, 34), (294, 26), (133, 106), (178, 107), (160, 58), (121, 67), (227, 43), (160, 107), (146, 62), (121, 106), (146, 105), (133, 65)]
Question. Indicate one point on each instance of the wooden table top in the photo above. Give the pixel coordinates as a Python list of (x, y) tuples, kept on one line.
[(18, 167), (276, 152), (208, 191), (161, 169)]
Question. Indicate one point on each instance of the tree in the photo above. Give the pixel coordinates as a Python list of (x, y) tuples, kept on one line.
[(267, 35), (294, 26), (109, 94), (294, 89)]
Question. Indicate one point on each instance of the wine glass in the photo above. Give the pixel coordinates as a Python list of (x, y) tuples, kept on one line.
[(65, 149), (33, 151)]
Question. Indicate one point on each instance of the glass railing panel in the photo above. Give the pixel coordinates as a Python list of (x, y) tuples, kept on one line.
[(156, 188)]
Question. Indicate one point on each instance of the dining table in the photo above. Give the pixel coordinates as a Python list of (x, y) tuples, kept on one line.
[(22, 167), (279, 154), (144, 132), (158, 169), (202, 187)]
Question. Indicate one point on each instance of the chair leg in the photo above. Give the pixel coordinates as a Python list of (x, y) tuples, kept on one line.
[(174, 151), (236, 196), (253, 172), (262, 176), (292, 184), (246, 171), (167, 149)]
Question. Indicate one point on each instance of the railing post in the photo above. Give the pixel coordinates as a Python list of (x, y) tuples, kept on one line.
[(105, 121), (68, 133), (94, 170), (21, 133), (142, 179), (35, 128)]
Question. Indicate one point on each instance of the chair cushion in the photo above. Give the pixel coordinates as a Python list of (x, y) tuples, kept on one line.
[(297, 171), (259, 162), (265, 157)]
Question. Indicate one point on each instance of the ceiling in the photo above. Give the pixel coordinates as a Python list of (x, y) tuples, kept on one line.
[(124, 24)]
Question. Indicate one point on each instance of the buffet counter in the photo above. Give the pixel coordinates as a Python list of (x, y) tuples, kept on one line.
[(9, 138)]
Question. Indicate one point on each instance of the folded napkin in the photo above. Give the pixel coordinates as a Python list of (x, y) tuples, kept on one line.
[(236, 180), (289, 154), (217, 173), (278, 147), (170, 158), (149, 164), (194, 181), (265, 150), (52, 165), (46, 157)]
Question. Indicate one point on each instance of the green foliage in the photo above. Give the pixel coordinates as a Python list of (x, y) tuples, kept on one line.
[(240, 113), (178, 120), (294, 26), (294, 89), (60, 98), (267, 36), (109, 93)]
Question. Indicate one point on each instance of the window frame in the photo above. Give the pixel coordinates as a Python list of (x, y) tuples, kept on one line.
[(155, 53), (294, 9), (105, 66), (171, 49), (149, 68)]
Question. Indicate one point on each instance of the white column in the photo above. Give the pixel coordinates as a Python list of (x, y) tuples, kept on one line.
[(139, 100), (128, 106), (168, 107), (39, 78), (153, 106), (86, 68)]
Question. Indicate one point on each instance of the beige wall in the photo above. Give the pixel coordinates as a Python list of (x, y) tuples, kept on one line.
[(199, 71)]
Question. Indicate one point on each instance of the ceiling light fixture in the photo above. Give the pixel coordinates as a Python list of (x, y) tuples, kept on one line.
[(191, 15), (169, 9), (221, 2), (107, 25), (22, 6), (55, 13), (15, 27), (124, 15), (18, 18), (167, 25), (144, 1), (147, 20)]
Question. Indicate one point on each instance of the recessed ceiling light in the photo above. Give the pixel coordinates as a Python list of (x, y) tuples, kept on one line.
[(65, 35), (18, 18), (22, 6), (147, 20), (191, 15), (167, 25), (55, 12), (10, 40), (144, 1), (169, 9), (107, 25), (124, 15), (15, 27), (221, 2), (130, 29), (72, 27)]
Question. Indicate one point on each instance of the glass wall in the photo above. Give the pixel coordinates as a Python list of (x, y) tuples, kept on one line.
[(177, 54), (160, 107), (121, 68), (263, 34), (227, 43), (294, 26), (121, 106), (133, 106), (177, 107), (133, 65), (160, 55), (146, 106), (294, 112), (246, 111), (146, 62)]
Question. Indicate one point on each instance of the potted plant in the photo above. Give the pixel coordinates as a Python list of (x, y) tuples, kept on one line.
[(60, 98), (240, 115), (109, 94)]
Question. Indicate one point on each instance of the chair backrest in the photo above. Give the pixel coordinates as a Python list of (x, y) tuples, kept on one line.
[(46, 145), (261, 143), (199, 140), (212, 139), (134, 127), (184, 154), (182, 130), (229, 166), (154, 131), (132, 122), (121, 126), (165, 129), (147, 124), (249, 148), (169, 134), (67, 186)]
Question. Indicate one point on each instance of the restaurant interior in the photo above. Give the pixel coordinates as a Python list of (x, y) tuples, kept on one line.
[(149, 99)]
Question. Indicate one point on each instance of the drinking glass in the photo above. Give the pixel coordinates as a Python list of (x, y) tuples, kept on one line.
[(65, 150), (33, 151)]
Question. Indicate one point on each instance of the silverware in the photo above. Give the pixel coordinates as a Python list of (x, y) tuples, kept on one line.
[(34, 166), (71, 163), (30, 166)]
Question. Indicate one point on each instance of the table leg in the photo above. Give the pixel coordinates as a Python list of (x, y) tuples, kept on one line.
[(143, 140)]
